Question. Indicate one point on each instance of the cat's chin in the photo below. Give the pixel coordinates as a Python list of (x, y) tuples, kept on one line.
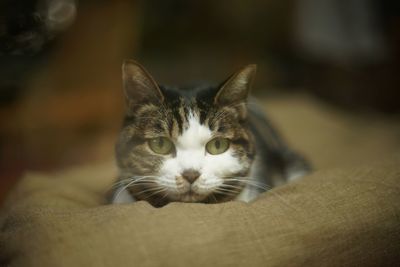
[(189, 197)]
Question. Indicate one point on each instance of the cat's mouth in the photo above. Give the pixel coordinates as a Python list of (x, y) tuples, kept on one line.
[(191, 197), (202, 190), (189, 194), (195, 193)]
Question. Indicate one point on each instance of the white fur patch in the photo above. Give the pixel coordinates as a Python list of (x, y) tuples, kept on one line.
[(122, 196), (250, 192), (195, 136), (191, 154)]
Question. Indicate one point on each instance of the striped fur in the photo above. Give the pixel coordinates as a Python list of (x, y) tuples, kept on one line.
[(190, 118)]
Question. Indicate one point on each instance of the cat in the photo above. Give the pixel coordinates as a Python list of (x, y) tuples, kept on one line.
[(205, 144)]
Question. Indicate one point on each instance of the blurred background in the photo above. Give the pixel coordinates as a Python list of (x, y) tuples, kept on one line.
[(60, 71)]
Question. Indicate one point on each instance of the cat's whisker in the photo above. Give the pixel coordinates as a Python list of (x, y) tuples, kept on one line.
[(130, 182), (154, 191), (127, 174), (220, 115), (233, 188), (122, 182), (249, 181), (159, 200), (228, 187), (212, 198), (261, 186), (144, 183), (226, 191), (141, 182), (135, 179), (122, 189), (151, 189)]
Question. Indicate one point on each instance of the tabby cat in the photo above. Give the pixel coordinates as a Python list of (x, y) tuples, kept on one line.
[(204, 144)]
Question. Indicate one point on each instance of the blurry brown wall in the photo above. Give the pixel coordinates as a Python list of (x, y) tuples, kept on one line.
[(70, 106)]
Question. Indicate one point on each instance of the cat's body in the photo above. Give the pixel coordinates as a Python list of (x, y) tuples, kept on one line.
[(206, 145)]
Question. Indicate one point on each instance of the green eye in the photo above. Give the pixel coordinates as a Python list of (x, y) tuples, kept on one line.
[(161, 145), (217, 146)]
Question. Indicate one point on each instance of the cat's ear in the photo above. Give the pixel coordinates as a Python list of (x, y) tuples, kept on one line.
[(139, 86), (236, 89)]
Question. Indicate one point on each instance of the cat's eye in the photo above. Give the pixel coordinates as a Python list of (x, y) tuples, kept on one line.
[(161, 145), (217, 146)]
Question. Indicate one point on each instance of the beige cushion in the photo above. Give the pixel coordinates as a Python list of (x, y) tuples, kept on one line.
[(343, 217)]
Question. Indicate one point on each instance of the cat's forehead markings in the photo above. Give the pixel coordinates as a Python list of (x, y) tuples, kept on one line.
[(195, 135)]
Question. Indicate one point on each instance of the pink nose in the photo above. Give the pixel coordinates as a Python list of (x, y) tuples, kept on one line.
[(190, 175)]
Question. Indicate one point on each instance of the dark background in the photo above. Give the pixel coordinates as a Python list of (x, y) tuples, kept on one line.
[(60, 60)]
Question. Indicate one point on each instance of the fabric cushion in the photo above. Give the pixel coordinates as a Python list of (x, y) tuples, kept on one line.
[(341, 217)]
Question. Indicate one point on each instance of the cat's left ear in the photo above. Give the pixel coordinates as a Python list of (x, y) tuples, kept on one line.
[(236, 89), (139, 86)]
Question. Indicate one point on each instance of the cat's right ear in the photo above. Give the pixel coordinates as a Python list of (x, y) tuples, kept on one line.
[(236, 89), (139, 86)]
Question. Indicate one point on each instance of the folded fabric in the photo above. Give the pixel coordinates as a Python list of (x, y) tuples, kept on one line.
[(342, 217)]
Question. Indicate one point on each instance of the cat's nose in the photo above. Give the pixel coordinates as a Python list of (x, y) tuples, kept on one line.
[(190, 175)]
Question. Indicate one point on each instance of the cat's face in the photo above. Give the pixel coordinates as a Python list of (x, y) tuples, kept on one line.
[(188, 146)]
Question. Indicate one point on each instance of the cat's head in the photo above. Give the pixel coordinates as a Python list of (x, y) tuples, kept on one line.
[(185, 145)]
